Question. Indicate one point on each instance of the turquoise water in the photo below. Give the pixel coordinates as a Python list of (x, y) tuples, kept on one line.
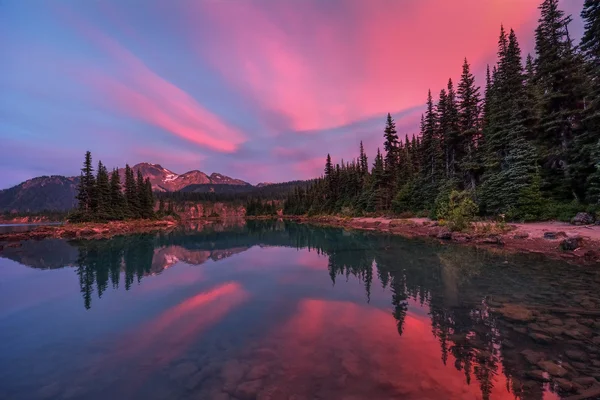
[(276, 310)]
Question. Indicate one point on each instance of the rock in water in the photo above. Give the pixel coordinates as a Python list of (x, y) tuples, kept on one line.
[(582, 219), (550, 235), (570, 244), (515, 313), (552, 368)]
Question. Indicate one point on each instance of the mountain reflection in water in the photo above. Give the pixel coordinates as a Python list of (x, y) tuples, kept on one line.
[(273, 310)]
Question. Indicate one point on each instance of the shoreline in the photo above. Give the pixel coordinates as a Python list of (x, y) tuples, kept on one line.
[(89, 230), (514, 238)]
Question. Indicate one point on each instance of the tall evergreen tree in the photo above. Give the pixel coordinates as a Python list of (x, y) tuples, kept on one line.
[(587, 141), (390, 162), (117, 200), (131, 194), (558, 74), (87, 186), (102, 192), (469, 109), (431, 154), (364, 166)]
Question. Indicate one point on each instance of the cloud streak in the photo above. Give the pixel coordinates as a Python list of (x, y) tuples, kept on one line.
[(141, 93)]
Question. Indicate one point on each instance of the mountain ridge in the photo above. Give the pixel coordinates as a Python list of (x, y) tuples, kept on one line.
[(57, 192)]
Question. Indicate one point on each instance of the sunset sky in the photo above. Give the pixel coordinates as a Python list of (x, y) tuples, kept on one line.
[(260, 90)]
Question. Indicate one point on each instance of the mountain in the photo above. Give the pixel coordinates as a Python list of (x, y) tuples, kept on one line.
[(38, 194), (57, 193), (165, 180)]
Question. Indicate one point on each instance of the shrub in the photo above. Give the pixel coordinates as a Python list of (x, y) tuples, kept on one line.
[(459, 211)]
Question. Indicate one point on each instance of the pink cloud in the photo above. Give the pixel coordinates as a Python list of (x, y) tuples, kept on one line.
[(139, 92), (312, 167), (367, 59)]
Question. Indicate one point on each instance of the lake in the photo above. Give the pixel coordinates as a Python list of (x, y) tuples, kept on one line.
[(278, 310)]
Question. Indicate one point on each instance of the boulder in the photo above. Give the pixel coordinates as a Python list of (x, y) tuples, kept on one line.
[(582, 218), (570, 244), (460, 237), (521, 235), (444, 235), (550, 235), (492, 239)]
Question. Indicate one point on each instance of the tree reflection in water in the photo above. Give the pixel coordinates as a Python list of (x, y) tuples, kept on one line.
[(461, 287)]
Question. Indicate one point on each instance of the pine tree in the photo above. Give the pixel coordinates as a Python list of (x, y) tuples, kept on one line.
[(364, 166), (131, 194), (558, 74), (587, 141), (390, 162), (140, 186), (117, 200), (431, 155), (469, 104), (378, 183), (102, 193), (87, 186), (147, 199)]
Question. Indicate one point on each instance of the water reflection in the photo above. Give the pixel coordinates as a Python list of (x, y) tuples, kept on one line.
[(432, 319)]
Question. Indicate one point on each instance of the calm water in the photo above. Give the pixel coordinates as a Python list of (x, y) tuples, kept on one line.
[(6, 228), (283, 311)]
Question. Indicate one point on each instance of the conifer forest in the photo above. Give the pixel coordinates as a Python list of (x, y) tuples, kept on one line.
[(526, 146)]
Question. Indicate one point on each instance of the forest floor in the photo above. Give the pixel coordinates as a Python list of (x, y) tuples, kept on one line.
[(576, 244)]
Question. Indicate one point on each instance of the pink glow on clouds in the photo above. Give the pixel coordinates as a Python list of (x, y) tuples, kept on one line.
[(366, 60), (141, 93), (312, 167)]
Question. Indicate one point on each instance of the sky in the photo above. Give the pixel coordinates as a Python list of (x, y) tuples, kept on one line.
[(259, 90)]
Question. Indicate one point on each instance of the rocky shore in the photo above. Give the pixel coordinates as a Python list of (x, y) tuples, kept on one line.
[(577, 244)]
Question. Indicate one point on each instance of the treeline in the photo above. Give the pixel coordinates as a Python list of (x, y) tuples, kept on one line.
[(232, 193), (101, 197), (527, 148)]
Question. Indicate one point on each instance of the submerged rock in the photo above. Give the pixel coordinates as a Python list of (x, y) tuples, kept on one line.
[(515, 312), (576, 355), (552, 368), (565, 384), (521, 235), (586, 381), (533, 357), (540, 337), (582, 218), (537, 375)]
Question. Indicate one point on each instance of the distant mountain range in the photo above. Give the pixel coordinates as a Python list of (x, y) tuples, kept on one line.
[(164, 180), (57, 193)]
